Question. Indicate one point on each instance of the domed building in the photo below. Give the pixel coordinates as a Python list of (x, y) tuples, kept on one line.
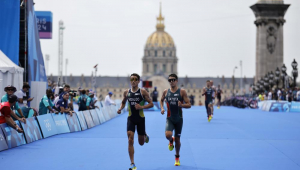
[(160, 52)]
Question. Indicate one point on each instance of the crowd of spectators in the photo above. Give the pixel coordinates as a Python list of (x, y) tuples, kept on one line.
[(289, 94), (15, 104)]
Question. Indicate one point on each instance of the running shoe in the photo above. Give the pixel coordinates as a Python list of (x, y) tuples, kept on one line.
[(171, 145), (147, 138), (212, 116), (209, 118), (177, 162), (132, 167)]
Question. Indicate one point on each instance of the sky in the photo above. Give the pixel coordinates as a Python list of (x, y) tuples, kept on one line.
[(211, 36)]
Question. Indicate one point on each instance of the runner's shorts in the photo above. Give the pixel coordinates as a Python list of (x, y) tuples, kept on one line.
[(174, 125), (139, 123)]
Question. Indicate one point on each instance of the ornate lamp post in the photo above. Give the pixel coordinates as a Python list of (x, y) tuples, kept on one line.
[(271, 81), (283, 74), (295, 71), (266, 82), (277, 74)]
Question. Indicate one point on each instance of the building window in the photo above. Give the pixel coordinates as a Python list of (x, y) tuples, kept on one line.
[(148, 53), (107, 90), (155, 68), (188, 91), (172, 69), (100, 90), (120, 90), (155, 53), (194, 91), (164, 53), (147, 68), (164, 68), (115, 90), (170, 54), (120, 95)]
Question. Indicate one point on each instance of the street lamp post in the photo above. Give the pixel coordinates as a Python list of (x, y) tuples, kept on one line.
[(283, 74), (295, 71), (277, 74), (234, 77), (271, 81), (266, 82)]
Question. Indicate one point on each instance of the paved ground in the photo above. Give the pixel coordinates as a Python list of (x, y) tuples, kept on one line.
[(236, 139)]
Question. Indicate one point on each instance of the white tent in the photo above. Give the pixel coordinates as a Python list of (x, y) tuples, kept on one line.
[(10, 74)]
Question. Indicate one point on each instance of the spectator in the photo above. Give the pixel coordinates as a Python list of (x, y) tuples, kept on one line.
[(154, 94), (66, 89), (275, 94), (283, 95), (279, 94), (270, 95), (93, 100), (23, 100), (6, 112), (260, 97), (108, 100), (82, 101), (46, 103), (10, 90), (200, 103), (295, 94), (290, 95), (62, 104), (22, 95), (298, 94), (192, 99)]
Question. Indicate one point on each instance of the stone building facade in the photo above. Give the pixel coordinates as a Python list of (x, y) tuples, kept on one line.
[(160, 52), (269, 37)]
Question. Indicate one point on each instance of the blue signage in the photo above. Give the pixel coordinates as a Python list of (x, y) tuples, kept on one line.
[(95, 117), (73, 122), (88, 119), (295, 107), (44, 24), (31, 130), (81, 120), (13, 138), (61, 123), (3, 144), (47, 125)]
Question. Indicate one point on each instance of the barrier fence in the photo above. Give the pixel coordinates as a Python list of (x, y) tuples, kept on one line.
[(44, 126), (279, 106)]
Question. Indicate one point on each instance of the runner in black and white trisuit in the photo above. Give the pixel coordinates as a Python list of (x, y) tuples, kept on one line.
[(219, 93), (136, 98), (176, 99), (213, 97), (207, 91)]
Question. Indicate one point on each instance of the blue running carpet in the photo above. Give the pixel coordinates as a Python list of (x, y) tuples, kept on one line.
[(235, 139)]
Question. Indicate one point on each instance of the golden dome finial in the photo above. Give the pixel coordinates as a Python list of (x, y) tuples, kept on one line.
[(160, 26)]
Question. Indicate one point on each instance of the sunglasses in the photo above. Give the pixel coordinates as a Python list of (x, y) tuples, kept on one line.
[(10, 89), (134, 79), (171, 80)]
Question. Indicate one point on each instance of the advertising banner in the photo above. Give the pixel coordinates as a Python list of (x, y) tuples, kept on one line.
[(10, 29), (44, 24), (61, 123), (81, 120), (36, 67), (47, 125), (31, 130), (73, 122), (3, 144), (13, 138), (100, 115), (295, 107), (88, 119), (95, 117)]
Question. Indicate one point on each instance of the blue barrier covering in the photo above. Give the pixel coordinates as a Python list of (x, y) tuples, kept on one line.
[(31, 130), (95, 117), (73, 122), (13, 138), (81, 120), (88, 119), (295, 107), (47, 125), (279, 106), (100, 115), (3, 144), (61, 123)]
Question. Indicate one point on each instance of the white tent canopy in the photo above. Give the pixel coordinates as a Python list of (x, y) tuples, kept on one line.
[(10, 74)]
